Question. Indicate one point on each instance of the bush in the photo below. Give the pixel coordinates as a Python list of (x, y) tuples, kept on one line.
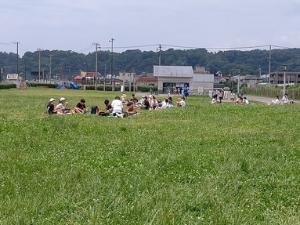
[(101, 88), (42, 85), (118, 88), (7, 86), (146, 89)]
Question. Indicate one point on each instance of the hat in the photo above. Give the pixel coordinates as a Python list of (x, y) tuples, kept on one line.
[(51, 100), (62, 99)]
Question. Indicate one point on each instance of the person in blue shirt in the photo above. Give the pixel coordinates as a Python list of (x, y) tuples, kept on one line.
[(186, 92)]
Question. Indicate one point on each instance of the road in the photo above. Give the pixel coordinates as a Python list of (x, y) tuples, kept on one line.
[(265, 100)]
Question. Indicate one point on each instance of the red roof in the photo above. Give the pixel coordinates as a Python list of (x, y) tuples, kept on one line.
[(146, 79), (77, 77)]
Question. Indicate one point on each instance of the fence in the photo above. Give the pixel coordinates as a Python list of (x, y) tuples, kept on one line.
[(273, 91)]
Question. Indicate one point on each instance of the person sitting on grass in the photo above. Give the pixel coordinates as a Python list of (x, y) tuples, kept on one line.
[(108, 109), (145, 103), (80, 107), (245, 101), (239, 100), (276, 101), (117, 106), (51, 107), (181, 103), (124, 98), (160, 103), (61, 107), (153, 102), (134, 99), (286, 100), (131, 111), (165, 104), (170, 100)]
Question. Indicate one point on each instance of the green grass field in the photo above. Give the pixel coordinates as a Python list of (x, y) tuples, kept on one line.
[(207, 164)]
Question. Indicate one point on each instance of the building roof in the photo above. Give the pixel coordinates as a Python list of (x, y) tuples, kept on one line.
[(173, 71), (146, 79)]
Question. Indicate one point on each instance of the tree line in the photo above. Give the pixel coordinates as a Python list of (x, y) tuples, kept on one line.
[(69, 63)]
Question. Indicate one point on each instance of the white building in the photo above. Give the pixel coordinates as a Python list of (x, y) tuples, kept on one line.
[(175, 78)]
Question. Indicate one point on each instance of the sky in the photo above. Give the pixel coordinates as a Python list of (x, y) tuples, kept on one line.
[(76, 24)]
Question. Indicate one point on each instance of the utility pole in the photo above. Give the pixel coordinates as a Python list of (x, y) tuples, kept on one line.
[(259, 69), (270, 65), (284, 79), (1, 71), (25, 70), (50, 67), (17, 63), (239, 81), (17, 57), (39, 51), (96, 65), (104, 83), (159, 58), (112, 64), (130, 81)]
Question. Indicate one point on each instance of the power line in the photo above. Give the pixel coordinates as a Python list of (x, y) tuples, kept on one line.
[(5, 43), (284, 47), (131, 47), (216, 48)]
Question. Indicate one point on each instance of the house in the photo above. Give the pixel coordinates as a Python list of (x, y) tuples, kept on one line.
[(248, 80), (175, 78), (126, 77), (291, 77), (146, 80)]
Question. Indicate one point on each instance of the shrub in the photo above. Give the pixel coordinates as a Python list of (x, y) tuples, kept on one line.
[(42, 85), (146, 89), (7, 86)]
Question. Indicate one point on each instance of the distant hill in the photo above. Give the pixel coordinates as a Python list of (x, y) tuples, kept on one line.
[(228, 62)]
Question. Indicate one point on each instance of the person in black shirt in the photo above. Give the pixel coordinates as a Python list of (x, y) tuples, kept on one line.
[(145, 103), (80, 107), (134, 99), (108, 109), (51, 107)]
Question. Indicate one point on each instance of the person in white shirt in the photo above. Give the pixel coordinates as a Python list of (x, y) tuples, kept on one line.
[(182, 103), (276, 101), (117, 106), (60, 108), (246, 101), (285, 99), (165, 104)]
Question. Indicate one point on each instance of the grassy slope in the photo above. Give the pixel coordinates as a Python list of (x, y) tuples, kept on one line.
[(209, 164)]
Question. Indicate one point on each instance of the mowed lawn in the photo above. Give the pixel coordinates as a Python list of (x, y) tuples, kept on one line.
[(206, 164)]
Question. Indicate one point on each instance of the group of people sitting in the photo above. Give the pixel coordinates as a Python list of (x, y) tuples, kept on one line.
[(218, 97), (283, 101), (62, 107), (119, 107)]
